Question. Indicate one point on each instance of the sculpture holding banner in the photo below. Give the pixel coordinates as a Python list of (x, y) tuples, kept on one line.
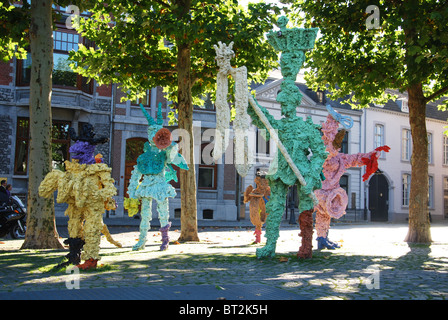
[(302, 152)]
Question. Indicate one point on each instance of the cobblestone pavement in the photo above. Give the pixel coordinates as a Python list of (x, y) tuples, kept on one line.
[(373, 263)]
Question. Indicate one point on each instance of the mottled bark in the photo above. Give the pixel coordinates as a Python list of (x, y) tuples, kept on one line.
[(41, 229), (419, 226), (189, 225)]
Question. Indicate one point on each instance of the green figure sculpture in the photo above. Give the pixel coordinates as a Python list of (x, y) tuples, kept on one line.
[(301, 139)]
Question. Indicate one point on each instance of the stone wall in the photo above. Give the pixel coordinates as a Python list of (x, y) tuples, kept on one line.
[(5, 144)]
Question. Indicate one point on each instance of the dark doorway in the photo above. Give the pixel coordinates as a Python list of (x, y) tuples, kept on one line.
[(134, 148), (379, 197)]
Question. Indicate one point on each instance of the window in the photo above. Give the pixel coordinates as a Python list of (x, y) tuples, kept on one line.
[(403, 104), (208, 103), (63, 77), (406, 188), (207, 214), (144, 100), (344, 145), (430, 191), (445, 150), (378, 137), (445, 197), (406, 145), (60, 145), (22, 139), (262, 146), (343, 182), (429, 147), (207, 168)]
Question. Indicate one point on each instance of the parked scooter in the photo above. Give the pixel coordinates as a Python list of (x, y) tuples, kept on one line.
[(13, 218)]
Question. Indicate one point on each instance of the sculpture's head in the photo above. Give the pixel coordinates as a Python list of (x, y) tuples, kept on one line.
[(332, 136), (224, 54), (157, 135), (85, 143)]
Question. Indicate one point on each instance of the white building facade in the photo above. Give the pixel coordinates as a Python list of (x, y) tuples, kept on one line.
[(389, 191)]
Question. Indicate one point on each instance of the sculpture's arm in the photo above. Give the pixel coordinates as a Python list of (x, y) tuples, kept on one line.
[(50, 183), (174, 157), (355, 160), (319, 155), (108, 190), (247, 196), (134, 182), (257, 121)]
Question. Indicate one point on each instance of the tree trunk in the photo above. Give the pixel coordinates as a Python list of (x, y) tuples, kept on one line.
[(189, 225), (419, 227), (41, 229)]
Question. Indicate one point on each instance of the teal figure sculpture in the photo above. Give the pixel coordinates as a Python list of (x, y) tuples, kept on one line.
[(150, 179), (302, 150)]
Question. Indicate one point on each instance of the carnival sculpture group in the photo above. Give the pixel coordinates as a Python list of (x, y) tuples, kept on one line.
[(309, 156)]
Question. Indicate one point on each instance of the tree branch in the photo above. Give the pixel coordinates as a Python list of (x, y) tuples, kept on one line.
[(437, 93), (163, 71), (166, 5)]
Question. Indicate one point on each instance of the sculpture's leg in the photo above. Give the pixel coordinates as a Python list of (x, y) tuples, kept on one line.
[(92, 236), (306, 208), (75, 221), (257, 235), (75, 246), (254, 210), (164, 215), (146, 214), (275, 207), (306, 232), (322, 227)]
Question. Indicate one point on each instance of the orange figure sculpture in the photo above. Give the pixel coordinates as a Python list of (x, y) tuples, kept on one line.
[(257, 199)]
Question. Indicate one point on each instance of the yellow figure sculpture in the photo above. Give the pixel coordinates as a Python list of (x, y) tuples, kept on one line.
[(87, 187)]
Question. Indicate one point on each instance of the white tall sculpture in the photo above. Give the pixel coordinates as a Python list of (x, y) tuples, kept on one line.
[(243, 156)]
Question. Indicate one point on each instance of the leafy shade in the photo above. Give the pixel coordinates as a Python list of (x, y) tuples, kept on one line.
[(409, 47), (14, 25), (137, 43)]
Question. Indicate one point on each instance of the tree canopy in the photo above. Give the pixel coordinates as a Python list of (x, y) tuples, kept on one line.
[(410, 46), (136, 42), (14, 22)]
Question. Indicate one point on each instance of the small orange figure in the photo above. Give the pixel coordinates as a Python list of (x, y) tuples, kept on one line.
[(257, 199)]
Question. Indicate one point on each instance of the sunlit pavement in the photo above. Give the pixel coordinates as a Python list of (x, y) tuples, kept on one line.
[(372, 263)]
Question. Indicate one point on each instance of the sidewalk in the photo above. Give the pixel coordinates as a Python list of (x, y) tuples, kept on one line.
[(242, 223), (373, 263)]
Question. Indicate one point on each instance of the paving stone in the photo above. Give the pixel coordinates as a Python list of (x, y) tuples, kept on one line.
[(226, 259)]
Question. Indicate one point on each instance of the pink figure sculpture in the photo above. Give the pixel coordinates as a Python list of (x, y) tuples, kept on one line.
[(332, 198)]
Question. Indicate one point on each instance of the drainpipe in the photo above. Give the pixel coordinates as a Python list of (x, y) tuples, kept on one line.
[(364, 113), (111, 129), (111, 119)]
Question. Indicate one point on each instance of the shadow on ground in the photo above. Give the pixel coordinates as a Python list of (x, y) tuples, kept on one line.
[(328, 274)]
